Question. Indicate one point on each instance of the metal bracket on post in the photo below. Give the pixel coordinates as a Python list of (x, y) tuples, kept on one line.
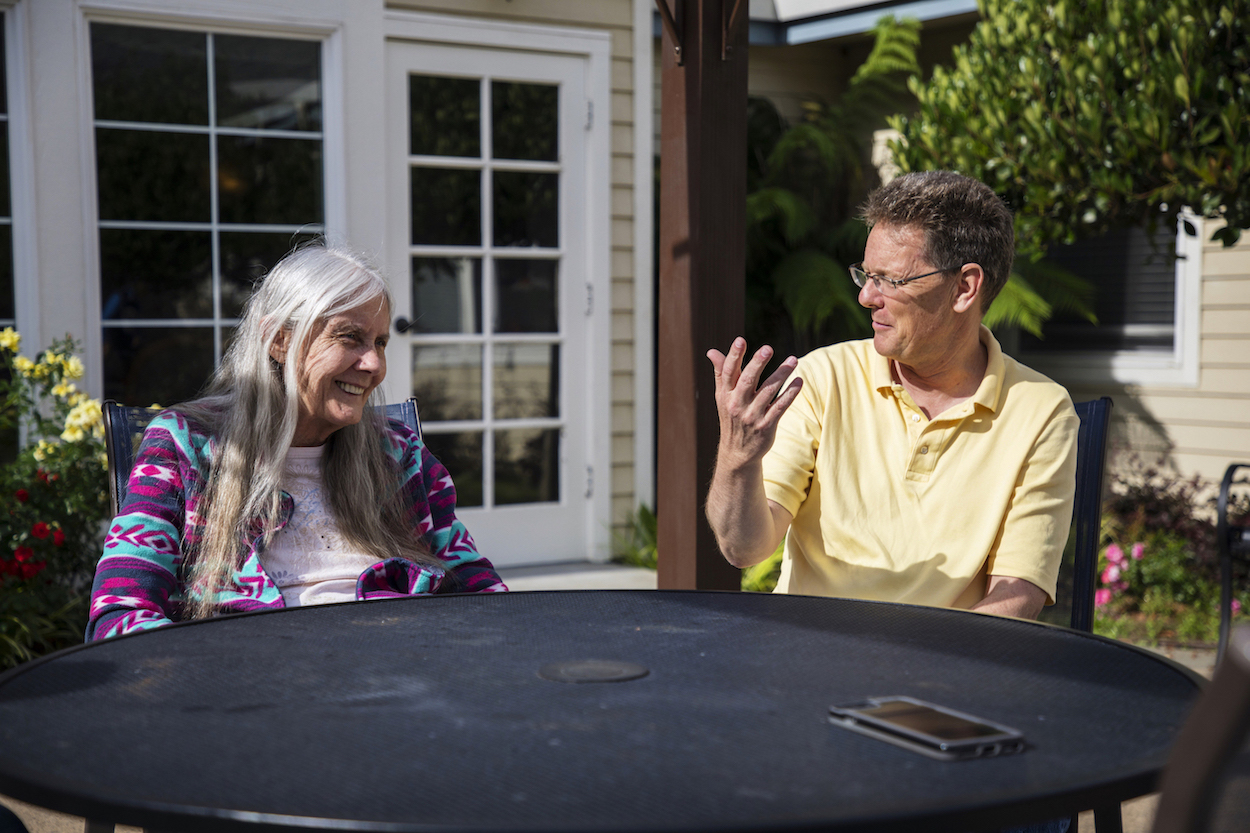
[(728, 24), (670, 26)]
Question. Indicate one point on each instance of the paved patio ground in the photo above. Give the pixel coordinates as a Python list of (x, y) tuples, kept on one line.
[(1138, 814)]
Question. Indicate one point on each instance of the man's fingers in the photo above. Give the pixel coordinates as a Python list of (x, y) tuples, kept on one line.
[(784, 400)]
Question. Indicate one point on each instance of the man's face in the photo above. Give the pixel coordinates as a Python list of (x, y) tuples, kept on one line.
[(914, 323)]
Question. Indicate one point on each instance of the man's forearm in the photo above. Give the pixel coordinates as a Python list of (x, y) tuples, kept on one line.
[(748, 528)]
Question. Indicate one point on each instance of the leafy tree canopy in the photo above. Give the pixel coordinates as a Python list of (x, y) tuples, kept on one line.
[(1089, 116)]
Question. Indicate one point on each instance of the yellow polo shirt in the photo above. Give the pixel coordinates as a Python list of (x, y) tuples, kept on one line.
[(890, 505)]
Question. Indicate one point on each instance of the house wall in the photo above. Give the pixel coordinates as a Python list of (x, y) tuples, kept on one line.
[(631, 478), (1194, 429)]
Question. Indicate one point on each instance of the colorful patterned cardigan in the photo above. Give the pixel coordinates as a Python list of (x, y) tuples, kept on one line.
[(139, 581)]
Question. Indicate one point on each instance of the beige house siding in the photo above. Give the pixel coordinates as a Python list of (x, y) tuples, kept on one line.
[(1195, 430), (616, 17)]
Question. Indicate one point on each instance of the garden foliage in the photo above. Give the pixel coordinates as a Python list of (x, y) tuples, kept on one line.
[(1159, 568), (1091, 116), (54, 499)]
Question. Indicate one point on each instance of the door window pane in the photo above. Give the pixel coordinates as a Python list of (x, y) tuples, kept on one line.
[(149, 75), (269, 181), (461, 454), (446, 207), (145, 175), (156, 365), (266, 82), (444, 116), (155, 274), (526, 297), (446, 295), (7, 312), (526, 209), (447, 380), (527, 465), (527, 381), (524, 121)]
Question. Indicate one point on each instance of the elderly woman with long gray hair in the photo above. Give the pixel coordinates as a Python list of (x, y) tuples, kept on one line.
[(280, 486)]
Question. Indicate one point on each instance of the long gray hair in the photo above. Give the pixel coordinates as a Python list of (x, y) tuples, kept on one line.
[(251, 407)]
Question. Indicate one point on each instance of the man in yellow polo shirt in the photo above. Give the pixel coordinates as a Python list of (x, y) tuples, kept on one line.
[(921, 465)]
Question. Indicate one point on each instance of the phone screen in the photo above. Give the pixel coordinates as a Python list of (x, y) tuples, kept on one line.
[(928, 720)]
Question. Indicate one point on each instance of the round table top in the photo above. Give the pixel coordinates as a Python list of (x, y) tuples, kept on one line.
[(451, 713)]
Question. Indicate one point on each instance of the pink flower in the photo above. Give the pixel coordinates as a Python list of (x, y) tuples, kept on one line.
[(1236, 607), (1101, 597), (1138, 551), (1115, 555), (1111, 575)]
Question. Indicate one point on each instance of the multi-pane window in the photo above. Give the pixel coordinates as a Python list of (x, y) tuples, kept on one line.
[(8, 313), (209, 169), (485, 255), (1135, 274)]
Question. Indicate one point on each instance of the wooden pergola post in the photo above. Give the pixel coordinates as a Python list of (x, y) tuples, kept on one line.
[(702, 255)]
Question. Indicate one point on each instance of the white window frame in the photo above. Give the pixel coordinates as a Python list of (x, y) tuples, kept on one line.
[(595, 47), (56, 246), (1175, 368)]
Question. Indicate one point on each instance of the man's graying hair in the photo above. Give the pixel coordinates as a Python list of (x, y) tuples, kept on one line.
[(962, 219)]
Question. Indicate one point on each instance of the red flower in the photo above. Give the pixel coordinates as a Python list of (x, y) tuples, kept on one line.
[(22, 495), (42, 475), (58, 537), (29, 571), (40, 530), (23, 553)]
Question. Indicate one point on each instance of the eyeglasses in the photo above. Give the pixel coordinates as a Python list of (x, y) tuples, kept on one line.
[(861, 277)]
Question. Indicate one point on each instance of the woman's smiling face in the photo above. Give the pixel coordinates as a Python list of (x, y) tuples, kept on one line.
[(344, 362)]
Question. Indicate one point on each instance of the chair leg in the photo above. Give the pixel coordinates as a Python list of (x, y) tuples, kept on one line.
[(1107, 819), (93, 826)]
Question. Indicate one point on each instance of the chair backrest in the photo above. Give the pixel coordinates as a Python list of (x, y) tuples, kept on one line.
[(124, 426), (1074, 599), (1203, 785)]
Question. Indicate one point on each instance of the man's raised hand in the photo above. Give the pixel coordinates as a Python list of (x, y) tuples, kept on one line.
[(749, 411)]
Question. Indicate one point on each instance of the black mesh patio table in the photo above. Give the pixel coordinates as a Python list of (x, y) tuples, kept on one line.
[(704, 711)]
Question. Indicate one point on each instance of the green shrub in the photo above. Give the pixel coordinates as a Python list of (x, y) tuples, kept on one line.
[(55, 498)]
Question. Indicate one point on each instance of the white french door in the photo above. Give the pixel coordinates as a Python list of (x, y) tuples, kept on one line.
[(486, 168)]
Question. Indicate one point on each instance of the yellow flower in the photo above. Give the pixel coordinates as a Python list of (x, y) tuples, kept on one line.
[(40, 371), (9, 339), (73, 367), (73, 434), (86, 415), (64, 389), (51, 358), (41, 451), (23, 365)]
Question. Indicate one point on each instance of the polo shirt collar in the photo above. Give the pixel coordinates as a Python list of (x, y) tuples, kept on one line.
[(988, 392)]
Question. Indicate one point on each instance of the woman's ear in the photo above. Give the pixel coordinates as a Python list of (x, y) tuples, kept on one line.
[(278, 349)]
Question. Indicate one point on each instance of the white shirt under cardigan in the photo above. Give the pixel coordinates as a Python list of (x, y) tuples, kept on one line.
[(308, 558)]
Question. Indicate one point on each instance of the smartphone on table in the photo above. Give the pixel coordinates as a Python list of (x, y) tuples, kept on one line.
[(927, 728)]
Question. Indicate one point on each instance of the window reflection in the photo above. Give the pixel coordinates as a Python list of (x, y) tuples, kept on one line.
[(444, 116), (527, 380), (446, 207), (461, 454), (142, 74), (156, 365), (447, 380), (524, 121), (526, 299), (266, 82), (446, 295), (246, 257), (144, 175), (526, 209), (527, 465), (155, 274)]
